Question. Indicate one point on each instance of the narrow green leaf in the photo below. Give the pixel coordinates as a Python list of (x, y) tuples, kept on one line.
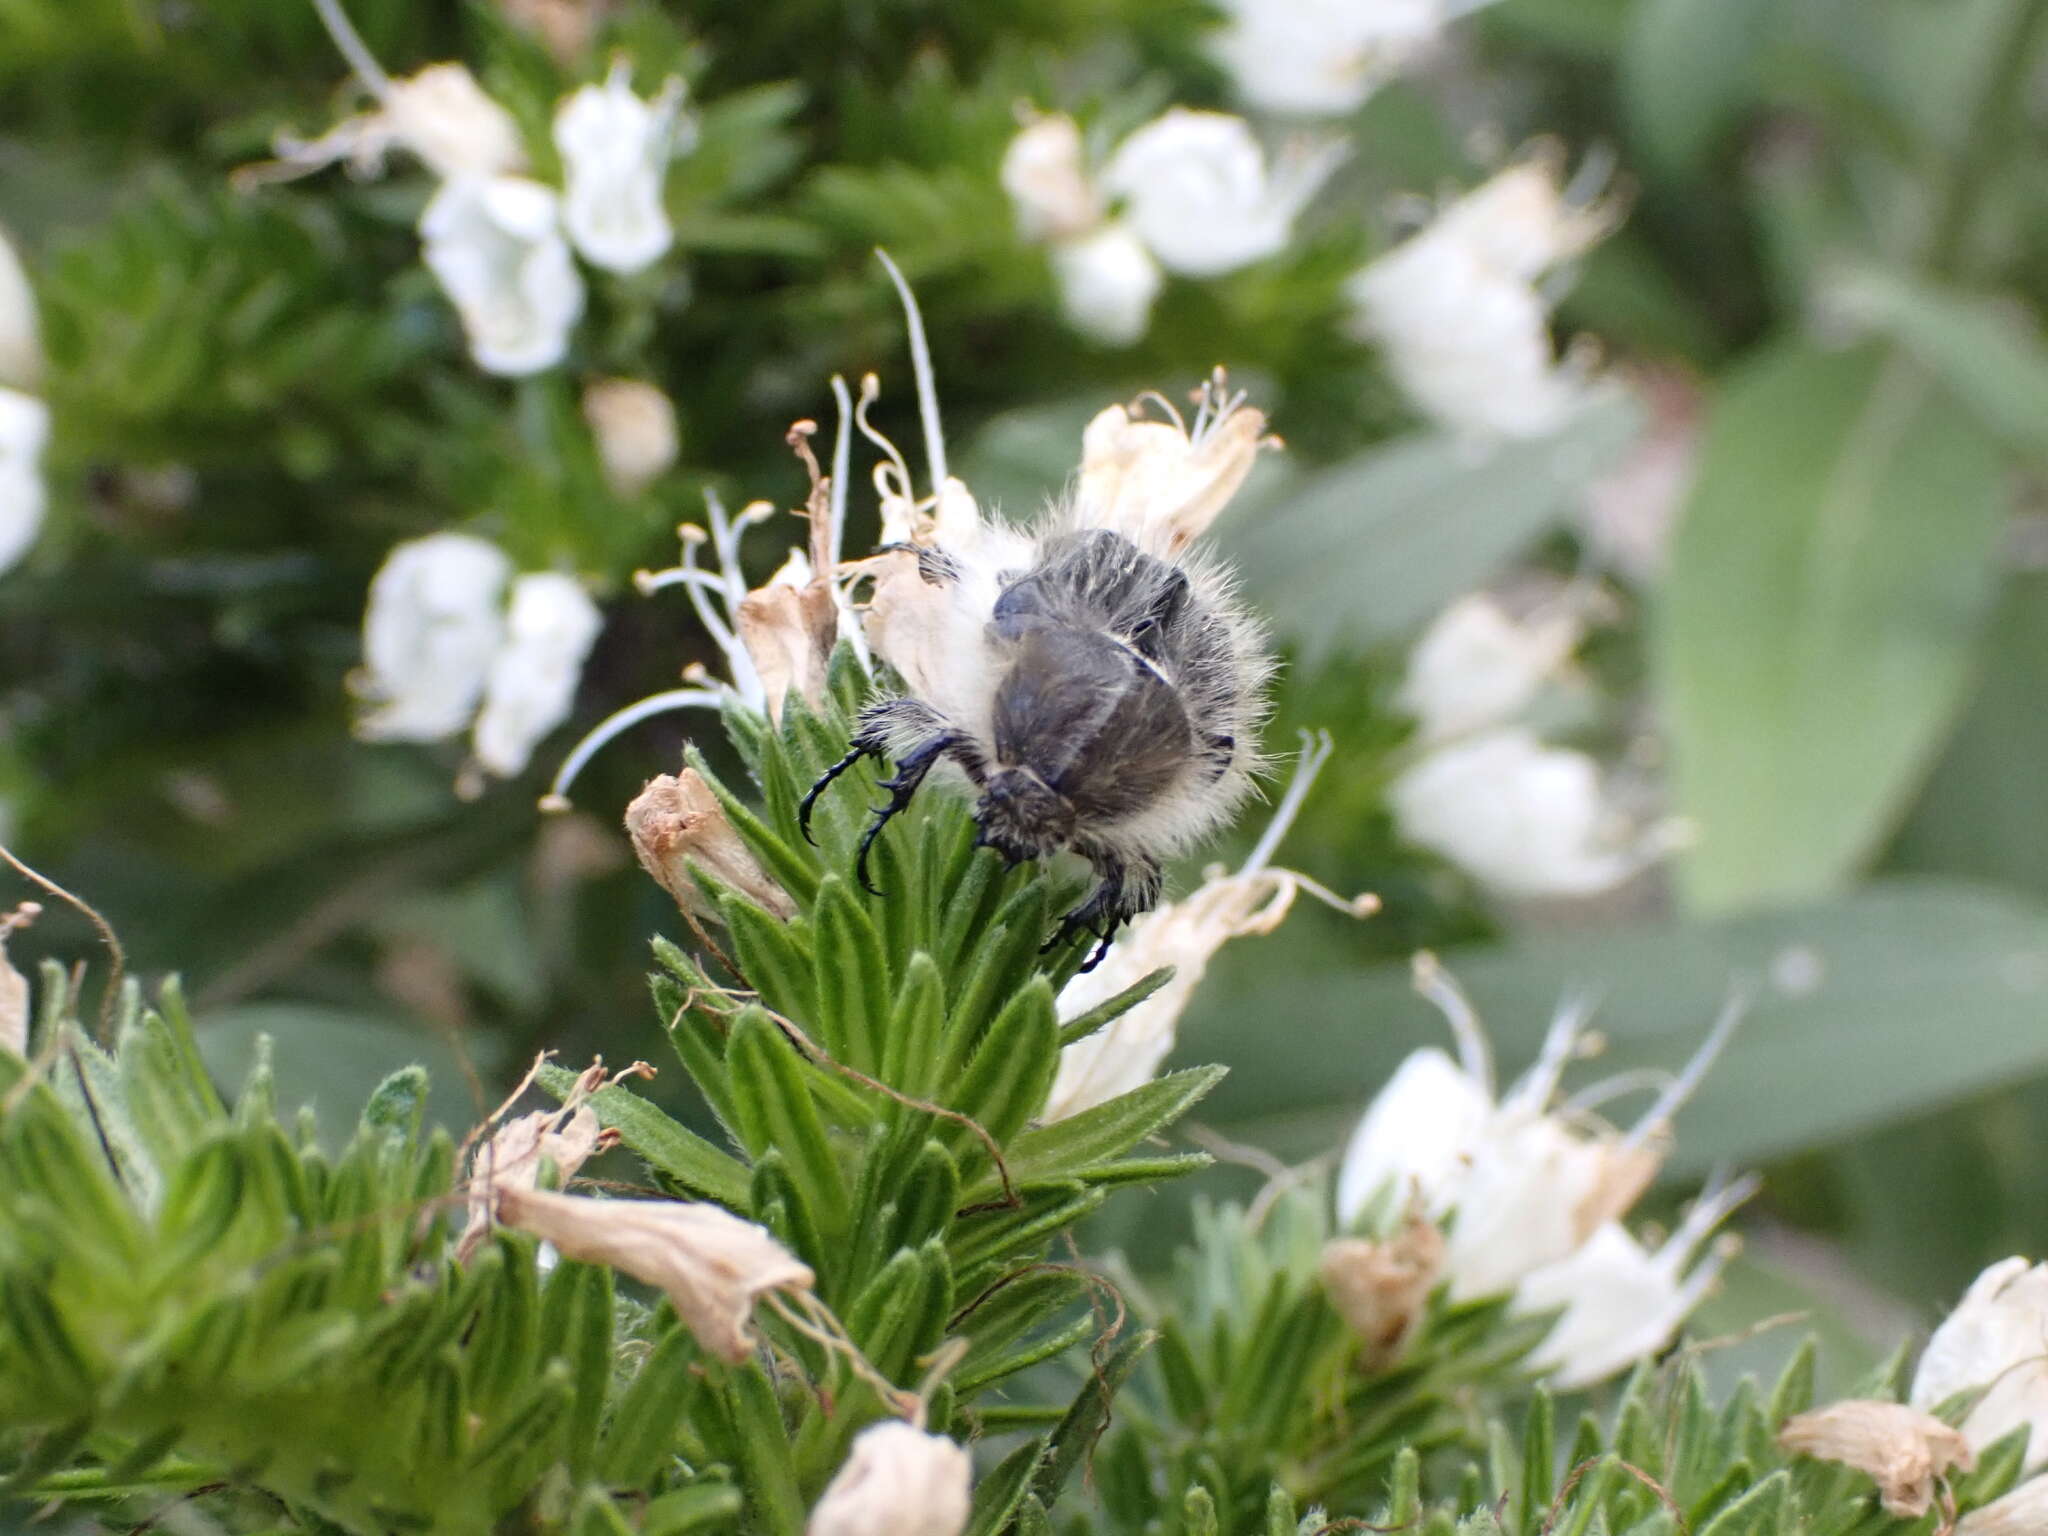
[(1006, 1082), (911, 1043), (775, 958), (1827, 590), (1082, 1025), (1085, 1421), (851, 976), (901, 1314), (1094, 1136), (767, 1473), (772, 1097), (641, 1437), (705, 1507)]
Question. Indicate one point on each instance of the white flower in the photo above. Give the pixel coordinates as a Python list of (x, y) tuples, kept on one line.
[(1046, 174), (1902, 1449), (493, 244), (1108, 282), (24, 430), (1529, 1181), (1321, 58), (1623, 1302), (1525, 819), (634, 425), (1996, 1339), (1185, 934), (789, 627), (551, 625), (897, 1481), (712, 1265), (2022, 1512), (1457, 311), (1161, 484), (440, 115), (1198, 191), (21, 348), (1477, 666), (429, 634), (615, 154)]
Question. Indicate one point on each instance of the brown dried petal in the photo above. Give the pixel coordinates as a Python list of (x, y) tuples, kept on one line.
[(711, 1264), (1903, 1449), (1382, 1288), (513, 1157), (788, 632), (676, 822)]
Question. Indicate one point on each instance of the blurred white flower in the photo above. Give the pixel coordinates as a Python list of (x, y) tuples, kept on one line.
[(24, 431), (1457, 312), (432, 627), (634, 425), (440, 115), (896, 1481), (1478, 666), (1321, 58), (1108, 282), (1198, 191), (2022, 1512), (21, 348), (549, 629), (1046, 174), (615, 154), (494, 245), (1530, 1181), (1162, 483), (1525, 819), (1996, 1340), (1628, 516), (1623, 1302)]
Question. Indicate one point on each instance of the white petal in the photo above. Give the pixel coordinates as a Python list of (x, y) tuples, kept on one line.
[(1107, 282), (1476, 666), (615, 154), (1418, 1134), (1320, 58), (1997, 1337), (24, 429), (443, 116), (1046, 175), (429, 633), (549, 630), (493, 244)]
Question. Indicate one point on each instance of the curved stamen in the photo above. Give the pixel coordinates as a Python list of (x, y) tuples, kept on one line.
[(557, 797), (1694, 1072), (1315, 751), (1475, 1055), (353, 48), (921, 370)]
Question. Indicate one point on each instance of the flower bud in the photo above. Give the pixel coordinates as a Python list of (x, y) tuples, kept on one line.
[(1107, 281), (21, 350), (1902, 1449), (1995, 1340), (635, 428), (896, 1481), (1160, 484), (789, 627), (676, 823), (14, 993), (493, 244), (443, 116), (1382, 1288), (711, 1264)]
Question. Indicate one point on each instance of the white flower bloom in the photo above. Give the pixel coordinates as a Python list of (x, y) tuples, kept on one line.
[(1321, 58), (615, 154), (1525, 819), (2022, 1512), (635, 428), (1996, 1339), (493, 244), (1161, 484), (24, 431), (712, 1265), (1045, 172), (430, 632), (1476, 666), (1457, 311), (1622, 1301), (1126, 1053), (551, 625), (21, 348), (1529, 1181), (897, 1481), (1199, 193), (1108, 282), (440, 115)]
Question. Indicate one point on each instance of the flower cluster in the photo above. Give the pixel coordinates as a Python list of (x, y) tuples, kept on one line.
[(453, 640), (1532, 1193), (1486, 792), (24, 418), (1457, 311), (497, 240), (1191, 193)]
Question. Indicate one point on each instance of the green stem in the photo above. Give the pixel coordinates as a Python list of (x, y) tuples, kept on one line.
[(2008, 54)]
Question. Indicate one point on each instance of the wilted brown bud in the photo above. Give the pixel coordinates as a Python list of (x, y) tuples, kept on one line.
[(896, 1481), (14, 1000), (711, 1265), (1382, 1288), (635, 428), (789, 627), (677, 822), (1903, 1449), (512, 1159)]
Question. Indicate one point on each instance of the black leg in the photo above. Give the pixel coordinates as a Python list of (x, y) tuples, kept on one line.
[(880, 722), (1122, 892), (859, 750), (910, 771)]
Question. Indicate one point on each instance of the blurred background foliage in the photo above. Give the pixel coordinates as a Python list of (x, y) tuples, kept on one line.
[(1826, 635)]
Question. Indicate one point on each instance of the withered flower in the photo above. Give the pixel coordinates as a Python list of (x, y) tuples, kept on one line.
[(1903, 1449), (676, 823)]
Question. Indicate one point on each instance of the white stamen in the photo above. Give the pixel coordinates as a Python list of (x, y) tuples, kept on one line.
[(842, 465), (1694, 1072), (1315, 751), (353, 48), (1607, 1089), (1475, 1055), (921, 368), (557, 797), (647, 583), (1560, 1043)]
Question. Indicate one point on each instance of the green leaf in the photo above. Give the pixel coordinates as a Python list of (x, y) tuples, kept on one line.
[(1688, 71), (1085, 1421), (772, 1096), (1096, 1135), (1363, 552), (1826, 593), (768, 1473), (997, 1495), (1861, 980), (1006, 1081), (1988, 350), (851, 976), (671, 1148), (708, 1506), (1084, 1024)]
